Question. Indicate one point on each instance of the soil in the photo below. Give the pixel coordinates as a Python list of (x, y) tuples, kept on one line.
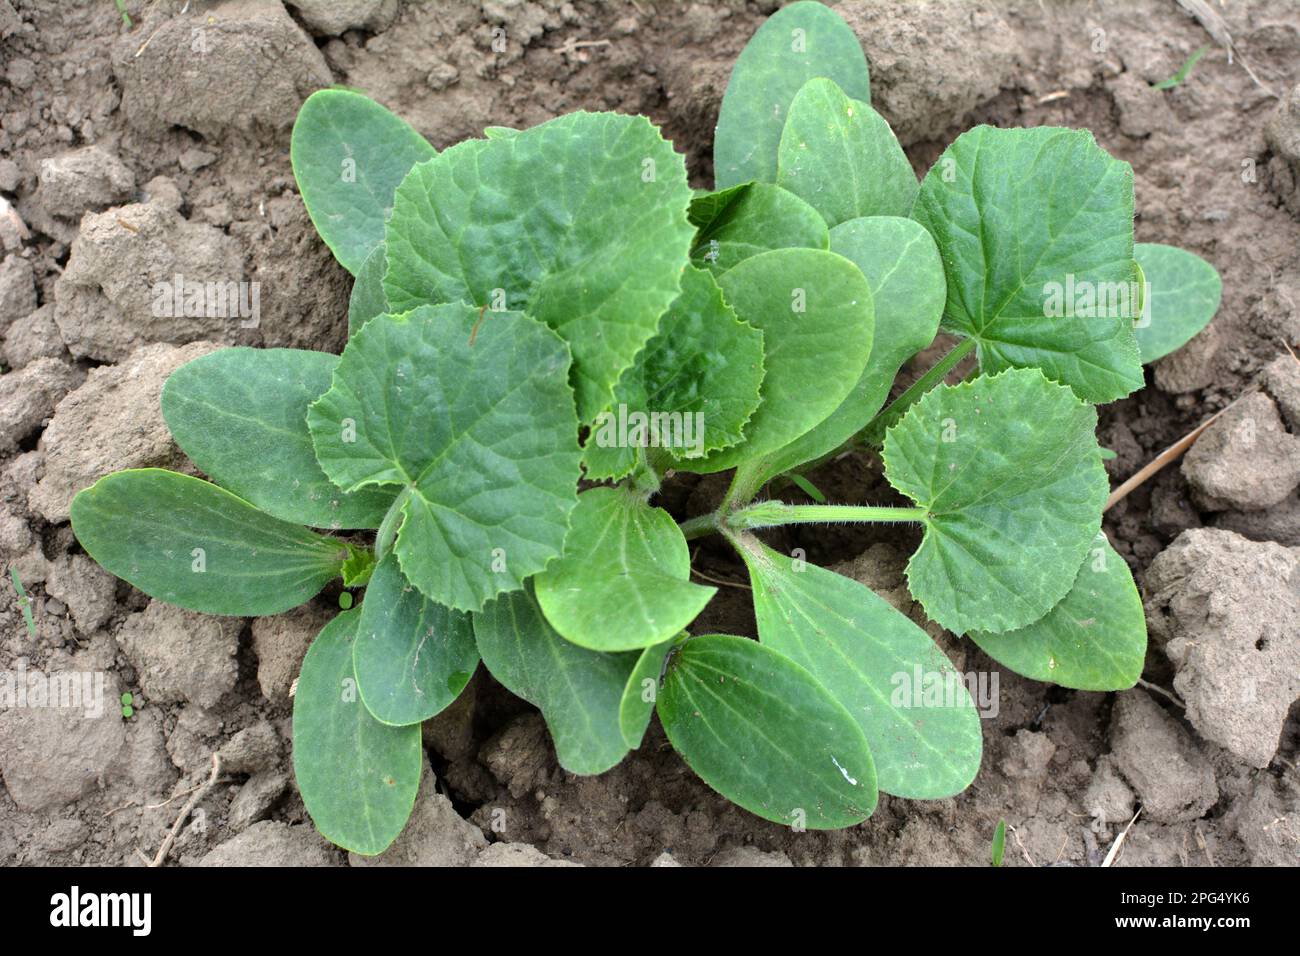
[(130, 154)]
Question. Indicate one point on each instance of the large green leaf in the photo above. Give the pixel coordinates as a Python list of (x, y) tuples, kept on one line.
[(412, 656), (761, 731), (580, 222), (358, 777), (698, 379), (624, 580), (348, 155), (1094, 639), (1035, 227), (241, 416), (1009, 472), (815, 311), (367, 298), (579, 692), (902, 266), (192, 544), (743, 221), (1183, 293), (481, 439), (841, 157), (863, 650), (795, 44)]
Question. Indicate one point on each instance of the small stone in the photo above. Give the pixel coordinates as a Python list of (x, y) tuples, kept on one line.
[(270, 843), (87, 179), (748, 856), (253, 749), (1245, 460), (256, 798), (17, 290), (517, 854), (1108, 797), (1172, 779)]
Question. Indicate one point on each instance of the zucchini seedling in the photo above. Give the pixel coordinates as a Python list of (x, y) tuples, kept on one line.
[(546, 310)]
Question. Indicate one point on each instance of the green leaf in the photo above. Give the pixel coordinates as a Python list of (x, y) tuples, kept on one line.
[(241, 416), (841, 157), (624, 580), (358, 777), (745, 220), (367, 298), (1183, 292), (348, 155), (481, 439), (1035, 227), (639, 694), (814, 309), (866, 653), (1094, 639), (192, 544), (902, 266), (1010, 474), (999, 842), (701, 372), (579, 692), (580, 222), (412, 656), (795, 44), (761, 731), (358, 567)]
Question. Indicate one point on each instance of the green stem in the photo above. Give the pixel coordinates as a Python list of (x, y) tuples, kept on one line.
[(700, 526), (388, 527), (874, 433), (769, 514)]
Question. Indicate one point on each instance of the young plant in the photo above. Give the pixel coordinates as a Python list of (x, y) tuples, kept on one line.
[(542, 305)]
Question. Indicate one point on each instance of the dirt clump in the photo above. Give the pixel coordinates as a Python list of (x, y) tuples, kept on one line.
[(1160, 761), (1226, 611)]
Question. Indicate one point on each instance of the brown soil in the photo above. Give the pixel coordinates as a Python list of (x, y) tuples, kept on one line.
[(189, 112)]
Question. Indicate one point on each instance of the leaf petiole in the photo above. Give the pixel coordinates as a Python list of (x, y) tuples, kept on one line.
[(769, 514), (874, 433)]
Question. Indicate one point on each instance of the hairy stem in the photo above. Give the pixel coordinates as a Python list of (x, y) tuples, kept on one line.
[(768, 514), (700, 526), (874, 433)]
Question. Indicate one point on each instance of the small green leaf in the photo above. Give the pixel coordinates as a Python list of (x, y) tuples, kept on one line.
[(902, 266), (624, 580), (1183, 292), (367, 298), (1183, 71), (1010, 474), (579, 692), (640, 692), (1035, 227), (241, 416), (481, 440), (358, 777), (358, 567), (795, 44), (348, 155), (840, 156), (999, 842), (745, 220), (192, 544), (579, 222), (412, 656), (761, 731), (863, 651), (697, 380), (815, 312), (808, 488), (1094, 639)]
